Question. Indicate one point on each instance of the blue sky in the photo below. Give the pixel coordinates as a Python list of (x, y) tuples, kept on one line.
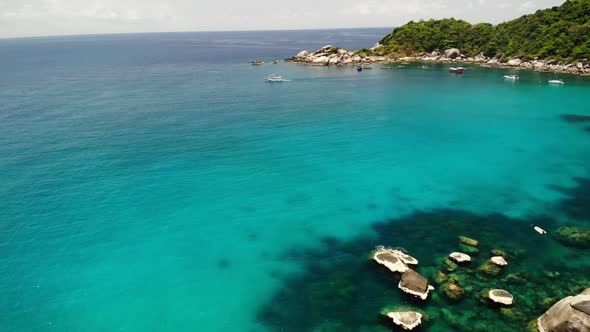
[(59, 17)]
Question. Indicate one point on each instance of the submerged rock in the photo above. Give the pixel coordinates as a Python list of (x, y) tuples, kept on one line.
[(498, 252), (500, 296), (469, 250), (490, 269), (453, 291), (499, 260), (414, 283), (460, 257), (440, 277), (468, 241), (574, 236), (571, 314), (408, 320), (511, 314), (450, 266)]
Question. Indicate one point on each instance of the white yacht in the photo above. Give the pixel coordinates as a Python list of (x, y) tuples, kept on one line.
[(275, 78), (511, 77), (556, 82)]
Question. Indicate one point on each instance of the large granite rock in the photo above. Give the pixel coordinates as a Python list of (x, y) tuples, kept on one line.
[(302, 54), (571, 314), (322, 60), (408, 320), (414, 283), (514, 62), (394, 260), (452, 53), (499, 260), (501, 296), (460, 257)]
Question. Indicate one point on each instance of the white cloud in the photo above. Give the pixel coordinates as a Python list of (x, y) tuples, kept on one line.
[(54, 17)]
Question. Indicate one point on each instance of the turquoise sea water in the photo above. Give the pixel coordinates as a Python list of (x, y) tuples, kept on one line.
[(156, 183)]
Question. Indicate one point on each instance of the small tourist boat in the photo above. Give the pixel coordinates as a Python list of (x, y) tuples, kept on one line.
[(540, 230), (556, 82), (424, 67), (257, 62), (367, 67), (275, 78), (401, 67), (359, 68), (511, 77), (458, 70)]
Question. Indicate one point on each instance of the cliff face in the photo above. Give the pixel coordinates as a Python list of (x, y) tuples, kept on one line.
[(561, 33)]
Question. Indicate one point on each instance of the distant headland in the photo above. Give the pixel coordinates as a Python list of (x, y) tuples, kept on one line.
[(555, 39)]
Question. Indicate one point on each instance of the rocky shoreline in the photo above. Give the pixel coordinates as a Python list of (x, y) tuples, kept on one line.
[(335, 56)]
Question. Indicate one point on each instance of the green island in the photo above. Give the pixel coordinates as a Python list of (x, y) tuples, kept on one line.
[(554, 39)]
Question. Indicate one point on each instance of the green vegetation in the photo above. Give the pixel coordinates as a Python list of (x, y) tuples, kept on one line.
[(561, 33)]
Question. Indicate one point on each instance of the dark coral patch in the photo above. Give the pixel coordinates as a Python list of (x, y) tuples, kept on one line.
[(575, 118)]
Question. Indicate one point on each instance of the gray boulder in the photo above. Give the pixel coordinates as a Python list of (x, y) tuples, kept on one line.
[(414, 283), (452, 53), (571, 314)]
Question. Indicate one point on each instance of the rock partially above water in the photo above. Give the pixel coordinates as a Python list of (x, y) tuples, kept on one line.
[(499, 260), (408, 320), (394, 260), (460, 257), (571, 314), (414, 283), (500, 296)]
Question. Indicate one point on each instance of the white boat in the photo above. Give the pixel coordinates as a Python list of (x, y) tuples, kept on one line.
[(511, 77), (275, 78), (367, 67), (556, 82), (458, 70), (540, 230)]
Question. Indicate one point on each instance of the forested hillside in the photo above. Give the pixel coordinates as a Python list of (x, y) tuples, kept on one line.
[(561, 32)]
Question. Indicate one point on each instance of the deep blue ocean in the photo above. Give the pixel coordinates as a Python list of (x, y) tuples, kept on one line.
[(155, 182)]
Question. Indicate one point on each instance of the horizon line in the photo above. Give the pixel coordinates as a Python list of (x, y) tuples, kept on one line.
[(183, 31)]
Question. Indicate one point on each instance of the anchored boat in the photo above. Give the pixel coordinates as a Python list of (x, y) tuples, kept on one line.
[(511, 77), (275, 78), (559, 82), (458, 70)]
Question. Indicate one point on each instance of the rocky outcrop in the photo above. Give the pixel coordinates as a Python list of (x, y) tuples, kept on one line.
[(514, 62), (395, 260), (407, 320), (501, 296), (414, 283), (571, 314), (329, 55), (460, 257), (452, 53), (339, 57)]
